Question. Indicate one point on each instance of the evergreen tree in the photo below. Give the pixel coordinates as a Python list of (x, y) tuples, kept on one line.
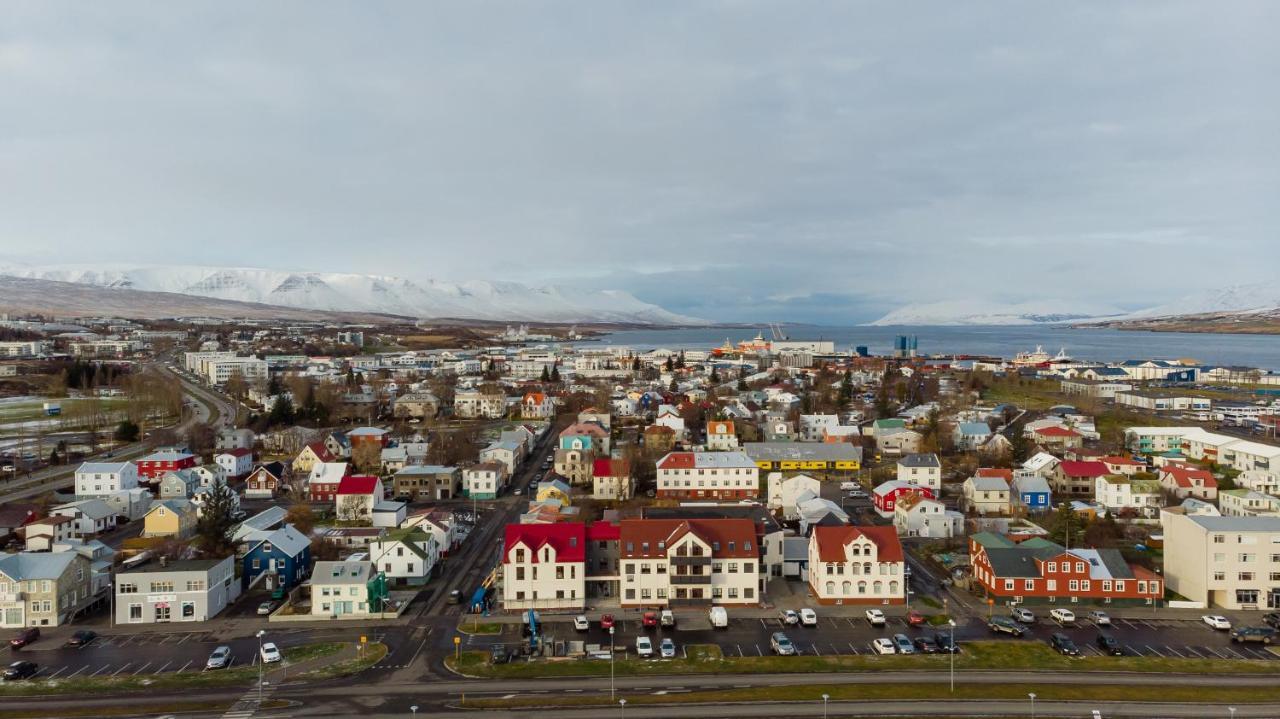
[(555, 373), (213, 530), (546, 374), (680, 360), (670, 364), (715, 376), (673, 386), (742, 385), (282, 411), (126, 431)]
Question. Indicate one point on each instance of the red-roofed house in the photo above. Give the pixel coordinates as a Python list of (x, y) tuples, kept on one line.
[(154, 466), (684, 562), (237, 462), (1186, 482), (356, 497), (1073, 478), (309, 456), (544, 566), (885, 496), (1054, 437), (1005, 474), (611, 479), (537, 405), (708, 475), (1127, 466), (857, 565)]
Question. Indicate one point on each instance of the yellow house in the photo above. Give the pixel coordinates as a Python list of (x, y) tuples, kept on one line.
[(309, 456), (555, 489), (170, 518), (805, 456)]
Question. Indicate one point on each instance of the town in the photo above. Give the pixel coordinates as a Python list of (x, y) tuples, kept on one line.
[(262, 501)]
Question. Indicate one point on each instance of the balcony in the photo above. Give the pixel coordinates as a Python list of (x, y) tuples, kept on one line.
[(679, 561), (8, 597), (690, 578)]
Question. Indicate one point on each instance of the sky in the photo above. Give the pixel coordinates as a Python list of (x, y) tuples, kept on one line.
[(737, 161)]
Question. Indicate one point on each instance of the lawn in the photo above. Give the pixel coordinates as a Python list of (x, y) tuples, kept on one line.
[(1024, 655), (467, 626)]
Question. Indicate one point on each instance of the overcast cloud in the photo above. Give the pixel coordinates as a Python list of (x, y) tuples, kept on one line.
[(732, 160)]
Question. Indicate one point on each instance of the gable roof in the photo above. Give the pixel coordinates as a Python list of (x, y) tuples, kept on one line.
[(320, 450), (706, 460), (729, 538), (1005, 474), (568, 539), (287, 539), (832, 541), (611, 468), (920, 460), (358, 484), (1085, 468), (1054, 430), (1186, 477)]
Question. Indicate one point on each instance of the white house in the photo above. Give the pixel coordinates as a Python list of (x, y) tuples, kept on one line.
[(544, 566), (915, 515), (784, 493), (408, 554), (669, 417), (505, 453), (1119, 493), (92, 516), (485, 480), (857, 565), (813, 427), (924, 470), (986, 495), (340, 589), (95, 479)]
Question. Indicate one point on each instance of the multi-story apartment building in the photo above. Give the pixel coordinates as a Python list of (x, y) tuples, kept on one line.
[(611, 479), (189, 590), (682, 562), (485, 480), (427, 482), (1229, 562), (923, 470), (715, 475), (473, 404), (155, 464), (805, 457), (43, 589), (857, 565), (97, 479), (1038, 570), (340, 589), (544, 566)]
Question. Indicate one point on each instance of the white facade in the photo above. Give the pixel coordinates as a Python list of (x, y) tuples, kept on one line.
[(784, 493), (918, 516), (535, 578), (1228, 562), (339, 589), (251, 369), (235, 464), (921, 470), (410, 555), (97, 479)]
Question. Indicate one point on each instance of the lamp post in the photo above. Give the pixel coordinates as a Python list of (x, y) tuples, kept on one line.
[(1233, 712), (952, 623), (1033, 704), (825, 697), (611, 691), (414, 709), (623, 703), (111, 603), (260, 663)]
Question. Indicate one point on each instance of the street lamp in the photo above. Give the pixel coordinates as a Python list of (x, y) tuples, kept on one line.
[(1233, 712), (1033, 704), (414, 709), (111, 603), (825, 697), (623, 703), (261, 632), (952, 622), (611, 694)]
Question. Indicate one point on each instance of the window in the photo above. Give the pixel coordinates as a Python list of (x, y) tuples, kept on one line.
[(1219, 576), (631, 594), (749, 568), (1106, 585), (1219, 539), (161, 586), (629, 568), (748, 593), (661, 568), (717, 567), (1247, 557), (128, 588), (733, 592), (1008, 585), (1053, 566), (560, 572), (1246, 576), (1029, 585), (1074, 585), (519, 574), (733, 567), (188, 610), (135, 612)]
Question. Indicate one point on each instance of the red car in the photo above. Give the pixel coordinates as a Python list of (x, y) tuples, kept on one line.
[(24, 637), (915, 618), (606, 621), (650, 620)]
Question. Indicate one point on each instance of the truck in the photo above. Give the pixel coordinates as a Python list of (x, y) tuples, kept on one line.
[(719, 617)]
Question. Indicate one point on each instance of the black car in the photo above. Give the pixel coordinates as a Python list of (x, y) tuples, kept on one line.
[(20, 670), (1109, 645), (1271, 619), (946, 643), (926, 645), (455, 597), (81, 638), (498, 654), (1064, 645), (24, 637)]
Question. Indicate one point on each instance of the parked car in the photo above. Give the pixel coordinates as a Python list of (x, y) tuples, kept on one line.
[(808, 617), (915, 618), (1265, 635), (1064, 645), (219, 658), (1110, 645), (649, 620), (455, 597), (926, 645), (20, 670), (1217, 621), (1271, 619), (781, 645), (606, 621), (82, 638), (1022, 614), (1100, 618), (668, 618), (24, 637), (498, 654), (667, 648), (266, 607), (1063, 616), (271, 653), (644, 646), (1004, 625), (946, 643), (903, 644), (789, 617), (875, 617), (580, 623), (884, 645)]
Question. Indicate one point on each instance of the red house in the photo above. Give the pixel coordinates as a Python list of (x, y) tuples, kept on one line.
[(885, 496), (1038, 570), (322, 484), (156, 464)]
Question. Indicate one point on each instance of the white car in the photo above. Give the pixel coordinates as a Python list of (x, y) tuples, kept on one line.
[(580, 623), (270, 653), (789, 617), (876, 617), (1100, 618), (644, 646), (884, 645), (1063, 616), (808, 617), (1217, 621)]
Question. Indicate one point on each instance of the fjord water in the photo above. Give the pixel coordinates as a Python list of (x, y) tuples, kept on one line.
[(1090, 344)]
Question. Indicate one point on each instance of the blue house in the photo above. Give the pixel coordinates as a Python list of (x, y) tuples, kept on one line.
[(283, 555), (1033, 493)]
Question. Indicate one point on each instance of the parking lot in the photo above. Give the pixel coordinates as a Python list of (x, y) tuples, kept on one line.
[(844, 636)]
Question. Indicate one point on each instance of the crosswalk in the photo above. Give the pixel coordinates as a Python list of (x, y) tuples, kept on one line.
[(247, 704)]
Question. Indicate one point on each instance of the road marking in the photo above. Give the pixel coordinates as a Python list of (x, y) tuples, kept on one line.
[(60, 670), (815, 650), (166, 665), (1132, 650), (100, 670), (1215, 653), (834, 650), (184, 667), (853, 648), (184, 638), (739, 646), (1193, 651), (1235, 654), (72, 674), (850, 621), (1153, 651), (1175, 651), (126, 666), (758, 650), (144, 666)]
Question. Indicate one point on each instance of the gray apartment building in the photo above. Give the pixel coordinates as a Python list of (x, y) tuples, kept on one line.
[(189, 590)]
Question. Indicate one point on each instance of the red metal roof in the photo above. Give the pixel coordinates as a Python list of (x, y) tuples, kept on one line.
[(238, 452), (568, 539), (1184, 476), (602, 531), (740, 534), (832, 541), (1055, 431), (1005, 474), (677, 460), (610, 468), (358, 484), (1087, 468)]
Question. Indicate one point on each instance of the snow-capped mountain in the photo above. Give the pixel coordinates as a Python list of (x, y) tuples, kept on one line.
[(1238, 298), (978, 312), (474, 299)]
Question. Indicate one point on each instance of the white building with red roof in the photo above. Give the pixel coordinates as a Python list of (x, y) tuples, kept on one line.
[(1074, 479), (689, 562), (544, 566), (356, 497), (708, 475), (611, 479), (885, 496), (857, 565), (1054, 437), (1185, 482), (237, 463)]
